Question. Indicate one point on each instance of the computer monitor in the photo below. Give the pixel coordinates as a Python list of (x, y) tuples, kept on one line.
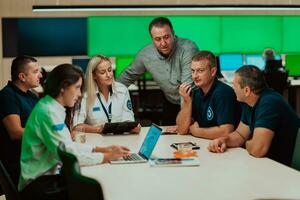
[(257, 60), (122, 63), (292, 65), (230, 62), (81, 62)]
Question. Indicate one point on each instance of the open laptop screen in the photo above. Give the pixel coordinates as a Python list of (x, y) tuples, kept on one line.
[(150, 141)]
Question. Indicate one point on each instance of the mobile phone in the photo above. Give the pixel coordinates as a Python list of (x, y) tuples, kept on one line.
[(169, 133), (191, 144), (192, 85)]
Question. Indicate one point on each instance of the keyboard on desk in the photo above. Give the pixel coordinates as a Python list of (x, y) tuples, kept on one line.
[(132, 157)]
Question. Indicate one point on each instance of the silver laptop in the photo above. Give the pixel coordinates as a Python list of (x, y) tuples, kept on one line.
[(146, 149)]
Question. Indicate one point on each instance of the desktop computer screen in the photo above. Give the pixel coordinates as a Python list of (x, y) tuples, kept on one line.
[(292, 65), (230, 62), (81, 62), (257, 60)]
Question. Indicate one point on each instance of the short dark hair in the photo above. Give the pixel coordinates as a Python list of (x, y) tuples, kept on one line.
[(206, 55), (18, 65), (160, 22), (252, 77)]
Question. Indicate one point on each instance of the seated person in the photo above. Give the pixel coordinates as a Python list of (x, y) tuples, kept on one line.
[(275, 75), (268, 126), (212, 110), (105, 100), (46, 127), (268, 54), (16, 102)]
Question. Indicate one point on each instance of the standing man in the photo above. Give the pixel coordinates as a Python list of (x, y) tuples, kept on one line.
[(16, 102), (268, 126), (168, 59), (211, 110)]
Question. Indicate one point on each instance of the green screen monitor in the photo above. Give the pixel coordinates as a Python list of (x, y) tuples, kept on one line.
[(122, 63), (292, 64), (251, 34)]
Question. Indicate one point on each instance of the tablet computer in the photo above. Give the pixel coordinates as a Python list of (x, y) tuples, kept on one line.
[(118, 128)]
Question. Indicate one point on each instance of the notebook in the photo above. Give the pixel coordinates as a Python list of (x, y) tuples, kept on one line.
[(175, 162), (146, 149), (118, 128)]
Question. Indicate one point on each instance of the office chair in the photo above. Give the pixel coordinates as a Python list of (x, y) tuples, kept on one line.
[(277, 80), (296, 155), (9, 189), (79, 187)]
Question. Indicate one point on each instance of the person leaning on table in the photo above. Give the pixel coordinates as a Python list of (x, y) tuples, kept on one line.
[(40, 164), (168, 59), (105, 100), (211, 109), (268, 126)]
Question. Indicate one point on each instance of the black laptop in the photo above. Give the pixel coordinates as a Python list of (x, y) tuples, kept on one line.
[(118, 128)]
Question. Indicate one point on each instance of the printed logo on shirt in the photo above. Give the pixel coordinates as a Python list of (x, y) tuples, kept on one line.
[(209, 113), (58, 127), (96, 109), (129, 104)]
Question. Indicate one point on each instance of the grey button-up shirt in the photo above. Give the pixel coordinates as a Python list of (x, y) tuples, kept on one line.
[(167, 72)]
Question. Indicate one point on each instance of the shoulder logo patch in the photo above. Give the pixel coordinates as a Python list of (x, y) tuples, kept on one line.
[(129, 104), (95, 109), (209, 113), (58, 127)]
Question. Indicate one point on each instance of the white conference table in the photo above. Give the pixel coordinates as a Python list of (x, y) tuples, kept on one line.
[(231, 175)]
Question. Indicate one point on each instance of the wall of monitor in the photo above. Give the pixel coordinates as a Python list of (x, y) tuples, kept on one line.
[(237, 39), (55, 37)]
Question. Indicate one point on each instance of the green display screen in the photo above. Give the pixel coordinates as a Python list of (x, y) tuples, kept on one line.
[(250, 34), (117, 35), (203, 30), (122, 63), (292, 64), (126, 35), (291, 28)]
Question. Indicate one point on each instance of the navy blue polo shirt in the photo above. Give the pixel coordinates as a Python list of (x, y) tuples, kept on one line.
[(219, 106), (271, 111), (13, 101)]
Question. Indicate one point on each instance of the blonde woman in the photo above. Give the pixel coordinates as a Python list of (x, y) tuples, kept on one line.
[(105, 100)]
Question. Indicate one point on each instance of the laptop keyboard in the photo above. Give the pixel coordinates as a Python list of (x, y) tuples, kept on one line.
[(132, 157)]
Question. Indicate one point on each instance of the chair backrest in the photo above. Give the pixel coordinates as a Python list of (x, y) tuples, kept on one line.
[(277, 80), (79, 187), (10, 191), (296, 155)]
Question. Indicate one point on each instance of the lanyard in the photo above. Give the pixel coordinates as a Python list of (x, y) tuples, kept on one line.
[(108, 114)]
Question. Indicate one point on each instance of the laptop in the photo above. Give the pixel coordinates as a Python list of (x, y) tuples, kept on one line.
[(118, 128), (146, 149)]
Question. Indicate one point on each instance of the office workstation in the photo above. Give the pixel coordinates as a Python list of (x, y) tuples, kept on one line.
[(237, 35)]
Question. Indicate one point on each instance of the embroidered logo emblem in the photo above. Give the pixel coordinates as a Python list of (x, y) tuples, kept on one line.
[(58, 127), (129, 104), (209, 113), (95, 109)]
